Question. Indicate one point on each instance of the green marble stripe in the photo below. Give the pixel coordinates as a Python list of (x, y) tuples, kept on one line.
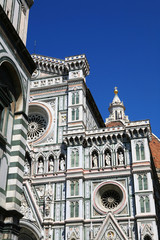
[(2, 191), (14, 187), (16, 164), (13, 199), (18, 154), (19, 143), (22, 122), (20, 132), (15, 176)]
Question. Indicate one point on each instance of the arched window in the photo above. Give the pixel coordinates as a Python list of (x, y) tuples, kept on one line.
[(137, 152), (77, 114), (74, 188), (140, 153), (142, 205), (147, 204), (140, 182), (145, 182), (75, 98), (74, 209), (73, 114), (75, 158), (94, 159)]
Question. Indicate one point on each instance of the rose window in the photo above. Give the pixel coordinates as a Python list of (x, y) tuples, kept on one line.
[(109, 196), (36, 126), (110, 199)]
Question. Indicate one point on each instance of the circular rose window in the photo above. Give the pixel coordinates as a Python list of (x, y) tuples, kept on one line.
[(36, 126), (110, 199), (109, 196), (39, 122)]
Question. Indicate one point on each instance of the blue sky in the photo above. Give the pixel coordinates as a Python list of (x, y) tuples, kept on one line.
[(121, 40)]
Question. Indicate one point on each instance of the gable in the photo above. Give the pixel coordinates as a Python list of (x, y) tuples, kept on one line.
[(110, 229)]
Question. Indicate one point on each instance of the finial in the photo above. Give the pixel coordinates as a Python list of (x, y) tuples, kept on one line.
[(115, 90)]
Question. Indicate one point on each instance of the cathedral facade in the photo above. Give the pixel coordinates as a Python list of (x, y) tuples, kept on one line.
[(83, 178)]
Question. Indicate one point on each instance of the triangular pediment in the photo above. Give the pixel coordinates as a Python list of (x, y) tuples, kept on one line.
[(110, 230)]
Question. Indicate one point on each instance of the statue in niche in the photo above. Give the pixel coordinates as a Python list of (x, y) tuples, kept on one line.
[(40, 166), (107, 160), (51, 164), (121, 158), (95, 160), (26, 168), (62, 164)]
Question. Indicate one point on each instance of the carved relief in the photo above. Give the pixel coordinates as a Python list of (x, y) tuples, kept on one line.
[(73, 233), (26, 210)]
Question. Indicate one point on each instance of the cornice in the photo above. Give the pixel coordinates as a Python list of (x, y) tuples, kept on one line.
[(62, 67), (107, 135)]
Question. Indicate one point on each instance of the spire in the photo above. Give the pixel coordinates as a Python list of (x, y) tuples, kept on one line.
[(117, 109), (116, 98)]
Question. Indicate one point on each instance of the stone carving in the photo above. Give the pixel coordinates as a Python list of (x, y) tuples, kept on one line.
[(63, 118), (26, 168), (107, 159), (47, 208), (48, 199), (52, 103), (95, 161), (73, 233), (62, 164), (40, 192), (50, 81), (40, 166), (26, 210), (48, 234), (43, 83), (51, 164), (48, 192), (121, 158), (51, 139)]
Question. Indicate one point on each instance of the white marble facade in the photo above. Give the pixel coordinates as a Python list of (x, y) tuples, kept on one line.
[(87, 180)]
